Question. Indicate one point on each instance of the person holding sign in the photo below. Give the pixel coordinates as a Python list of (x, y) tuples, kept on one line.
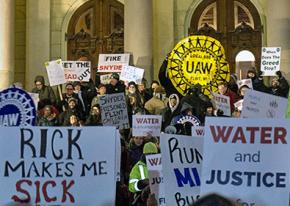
[(139, 179), (283, 84), (115, 86), (46, 93), (224, 90)]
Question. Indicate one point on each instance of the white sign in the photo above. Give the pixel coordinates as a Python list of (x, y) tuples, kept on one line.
[(261, 105), (112, 62), (57, 165), (130, 73), (35, 97), (222, 102), (114, 110), (197, 131), (77, 70), (143, 125), (55, 72), (105, 78), (247, 160), (239, 104), (154, 166), (247, 82), (181, 163), (270, 60)]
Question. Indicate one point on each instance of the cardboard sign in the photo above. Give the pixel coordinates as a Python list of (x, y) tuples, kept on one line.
[(197, 131), (130, 73), (58, 165), (35, 97), (247, 160), (114, 110), (55, 72), (247, 82), (261, 105), (144, 125), (112, 62), (222, 102), (270, 60), (181, 163), (105, 78), (17, 108), (154, 166), (77, 70)]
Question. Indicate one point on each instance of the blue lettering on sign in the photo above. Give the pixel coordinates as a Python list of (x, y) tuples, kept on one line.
[(187, 178), (16, 108)]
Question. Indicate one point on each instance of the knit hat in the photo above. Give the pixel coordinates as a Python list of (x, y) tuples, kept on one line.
[(150, 148), (159, 90), (115, 76)]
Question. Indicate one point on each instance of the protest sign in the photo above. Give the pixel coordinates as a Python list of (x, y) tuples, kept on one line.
[(197, 131), (197, 59), (58, 165), (112, 62), (105, 78), (270, 60), (154, 166), (247, 82), (77, 70), (35, 97), (17, 108), (130, 73), (181, 164), (143, 125), (261, 105), (247, 160), (55, 72), (114, 110), (222, 103)]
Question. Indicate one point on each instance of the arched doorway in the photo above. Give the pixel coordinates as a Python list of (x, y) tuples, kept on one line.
[(235, 23), (96, 27), (244, 60)]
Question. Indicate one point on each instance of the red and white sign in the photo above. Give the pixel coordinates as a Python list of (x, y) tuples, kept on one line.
[(247, 160), (57, 166), (77, 70), (112, 62), (222, 102)]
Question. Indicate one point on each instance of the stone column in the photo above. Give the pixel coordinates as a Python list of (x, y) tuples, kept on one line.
[(278, 29), (7, 23), (138, 34), (37, 40)]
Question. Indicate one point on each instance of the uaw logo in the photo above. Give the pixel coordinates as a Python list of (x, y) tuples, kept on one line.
[(16, 108), (198, 60), (189, 118)]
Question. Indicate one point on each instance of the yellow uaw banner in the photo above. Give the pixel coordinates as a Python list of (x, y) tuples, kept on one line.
[(198, 60)]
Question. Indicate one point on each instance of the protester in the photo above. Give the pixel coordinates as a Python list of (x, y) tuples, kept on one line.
[(283, 84), (158, 103), (64, 117), (83, 97), (138, 180), (94, 118), (46, 93), (102, 90), (224, 90), (47, 117), (115, 85)]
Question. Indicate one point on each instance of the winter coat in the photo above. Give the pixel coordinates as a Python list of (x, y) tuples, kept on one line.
[(156, 106)]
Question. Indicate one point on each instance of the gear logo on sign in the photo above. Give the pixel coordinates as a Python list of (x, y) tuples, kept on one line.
[(198, 60), (192, 119), (16, 108)]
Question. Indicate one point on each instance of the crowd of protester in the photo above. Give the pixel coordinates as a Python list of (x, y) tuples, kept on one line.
[(79, 106)]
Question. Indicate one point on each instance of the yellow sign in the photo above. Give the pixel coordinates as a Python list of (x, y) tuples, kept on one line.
[(198, 60)]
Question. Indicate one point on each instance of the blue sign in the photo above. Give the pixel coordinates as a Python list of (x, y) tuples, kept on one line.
[(16, 108)]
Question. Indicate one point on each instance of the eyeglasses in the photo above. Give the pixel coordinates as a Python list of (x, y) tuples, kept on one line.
[(69, 89)]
